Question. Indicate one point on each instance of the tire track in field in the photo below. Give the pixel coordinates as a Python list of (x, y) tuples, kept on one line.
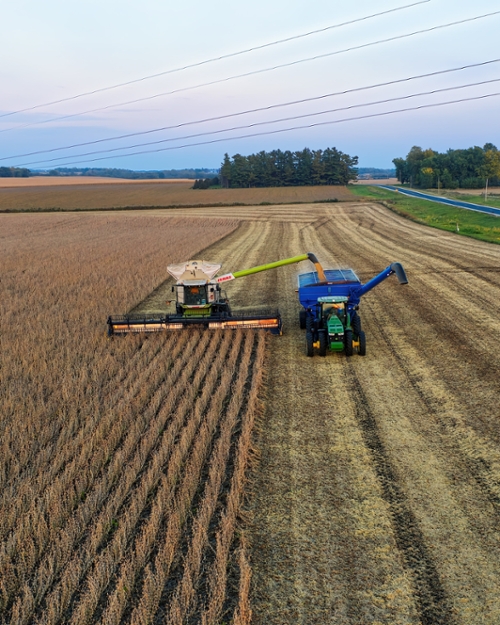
[(452, 328), (345, 241), (431, 598), (477, 466), (316, 542), (453, 360), (446, 319)]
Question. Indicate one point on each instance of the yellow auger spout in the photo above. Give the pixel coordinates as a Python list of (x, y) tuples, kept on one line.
[(279, 263)]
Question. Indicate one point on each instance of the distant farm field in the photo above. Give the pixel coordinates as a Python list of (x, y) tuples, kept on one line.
[(58, 181), (154, 193), (208, 478)]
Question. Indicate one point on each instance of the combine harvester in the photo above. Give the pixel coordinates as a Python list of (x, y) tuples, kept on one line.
[(200, 301), (330, 301)]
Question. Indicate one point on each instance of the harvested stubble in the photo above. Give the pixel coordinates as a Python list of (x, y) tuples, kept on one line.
[(106, 445), (153, 193)]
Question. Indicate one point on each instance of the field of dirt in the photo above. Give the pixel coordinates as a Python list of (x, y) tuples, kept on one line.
[(122, 463), (491, 191), (84, 195), (377, 495), (375, 492), (64, 181), (378, 181)]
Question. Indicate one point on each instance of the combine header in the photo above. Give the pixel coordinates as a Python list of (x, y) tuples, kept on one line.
[(200, 301), (330, 301)]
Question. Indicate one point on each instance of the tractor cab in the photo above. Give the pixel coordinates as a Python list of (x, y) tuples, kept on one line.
[(335, 319)]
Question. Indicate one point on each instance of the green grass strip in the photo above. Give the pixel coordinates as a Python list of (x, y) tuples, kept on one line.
[(460, 220)]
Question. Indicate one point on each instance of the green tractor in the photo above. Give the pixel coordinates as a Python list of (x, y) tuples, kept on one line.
[(340, 328)]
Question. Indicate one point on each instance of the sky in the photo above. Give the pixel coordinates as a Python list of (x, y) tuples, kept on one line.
[(74, 73)]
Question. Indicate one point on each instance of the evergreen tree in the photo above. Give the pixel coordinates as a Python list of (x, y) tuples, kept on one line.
[(277, 168)]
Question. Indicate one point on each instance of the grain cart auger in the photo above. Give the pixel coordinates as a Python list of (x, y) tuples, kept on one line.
[(330, 308), (200, 301)]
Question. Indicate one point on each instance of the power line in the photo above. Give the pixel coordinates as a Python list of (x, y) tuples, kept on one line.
[(304, 127), (275, 121), (255, 72), (255, 110), (214, 59)]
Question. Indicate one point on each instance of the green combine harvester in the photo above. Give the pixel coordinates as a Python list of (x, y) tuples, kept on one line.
[(200, 301)]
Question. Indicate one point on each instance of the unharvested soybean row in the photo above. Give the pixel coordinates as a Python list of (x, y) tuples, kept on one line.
[(124, 462)]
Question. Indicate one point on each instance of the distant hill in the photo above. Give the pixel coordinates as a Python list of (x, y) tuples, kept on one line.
[(128, 174)]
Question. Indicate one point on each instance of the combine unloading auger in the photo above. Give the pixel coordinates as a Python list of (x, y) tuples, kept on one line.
[(200, 301)]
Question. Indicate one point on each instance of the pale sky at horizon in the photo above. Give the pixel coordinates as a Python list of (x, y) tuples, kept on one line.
[(56, 50)]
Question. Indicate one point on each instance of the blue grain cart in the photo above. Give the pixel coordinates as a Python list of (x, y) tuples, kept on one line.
[(330, 300)]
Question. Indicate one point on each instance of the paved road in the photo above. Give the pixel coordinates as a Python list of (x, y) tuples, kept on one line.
[(444, 200)]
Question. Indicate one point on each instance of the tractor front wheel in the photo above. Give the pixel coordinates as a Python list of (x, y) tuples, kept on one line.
[(309, 344), (362, 344), (348, 342), (322, 342)]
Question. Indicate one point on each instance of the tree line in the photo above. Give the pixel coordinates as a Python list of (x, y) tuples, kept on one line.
[(14, 172), (130, 174), (281, 169), (471, 168)]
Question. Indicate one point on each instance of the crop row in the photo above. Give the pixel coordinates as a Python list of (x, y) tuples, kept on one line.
[(124, 462)]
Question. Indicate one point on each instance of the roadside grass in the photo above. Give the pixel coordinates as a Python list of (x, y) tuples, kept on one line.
[(459, 220)]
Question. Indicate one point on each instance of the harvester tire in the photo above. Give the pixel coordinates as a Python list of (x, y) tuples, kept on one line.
[(348, 342), (362, 343), (322, 342), (302, 319), (309, 344), (309, 323)]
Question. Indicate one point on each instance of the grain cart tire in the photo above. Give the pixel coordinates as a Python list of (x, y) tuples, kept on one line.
[(362, 343), (348, 342), (356, 324), (309, 344), (302, 319), (323, 339)]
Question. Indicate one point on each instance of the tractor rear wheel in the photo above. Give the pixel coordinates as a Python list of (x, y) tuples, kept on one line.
[(322, 342), (302, 319), (348, 342), (309, 344), (362, 343)]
